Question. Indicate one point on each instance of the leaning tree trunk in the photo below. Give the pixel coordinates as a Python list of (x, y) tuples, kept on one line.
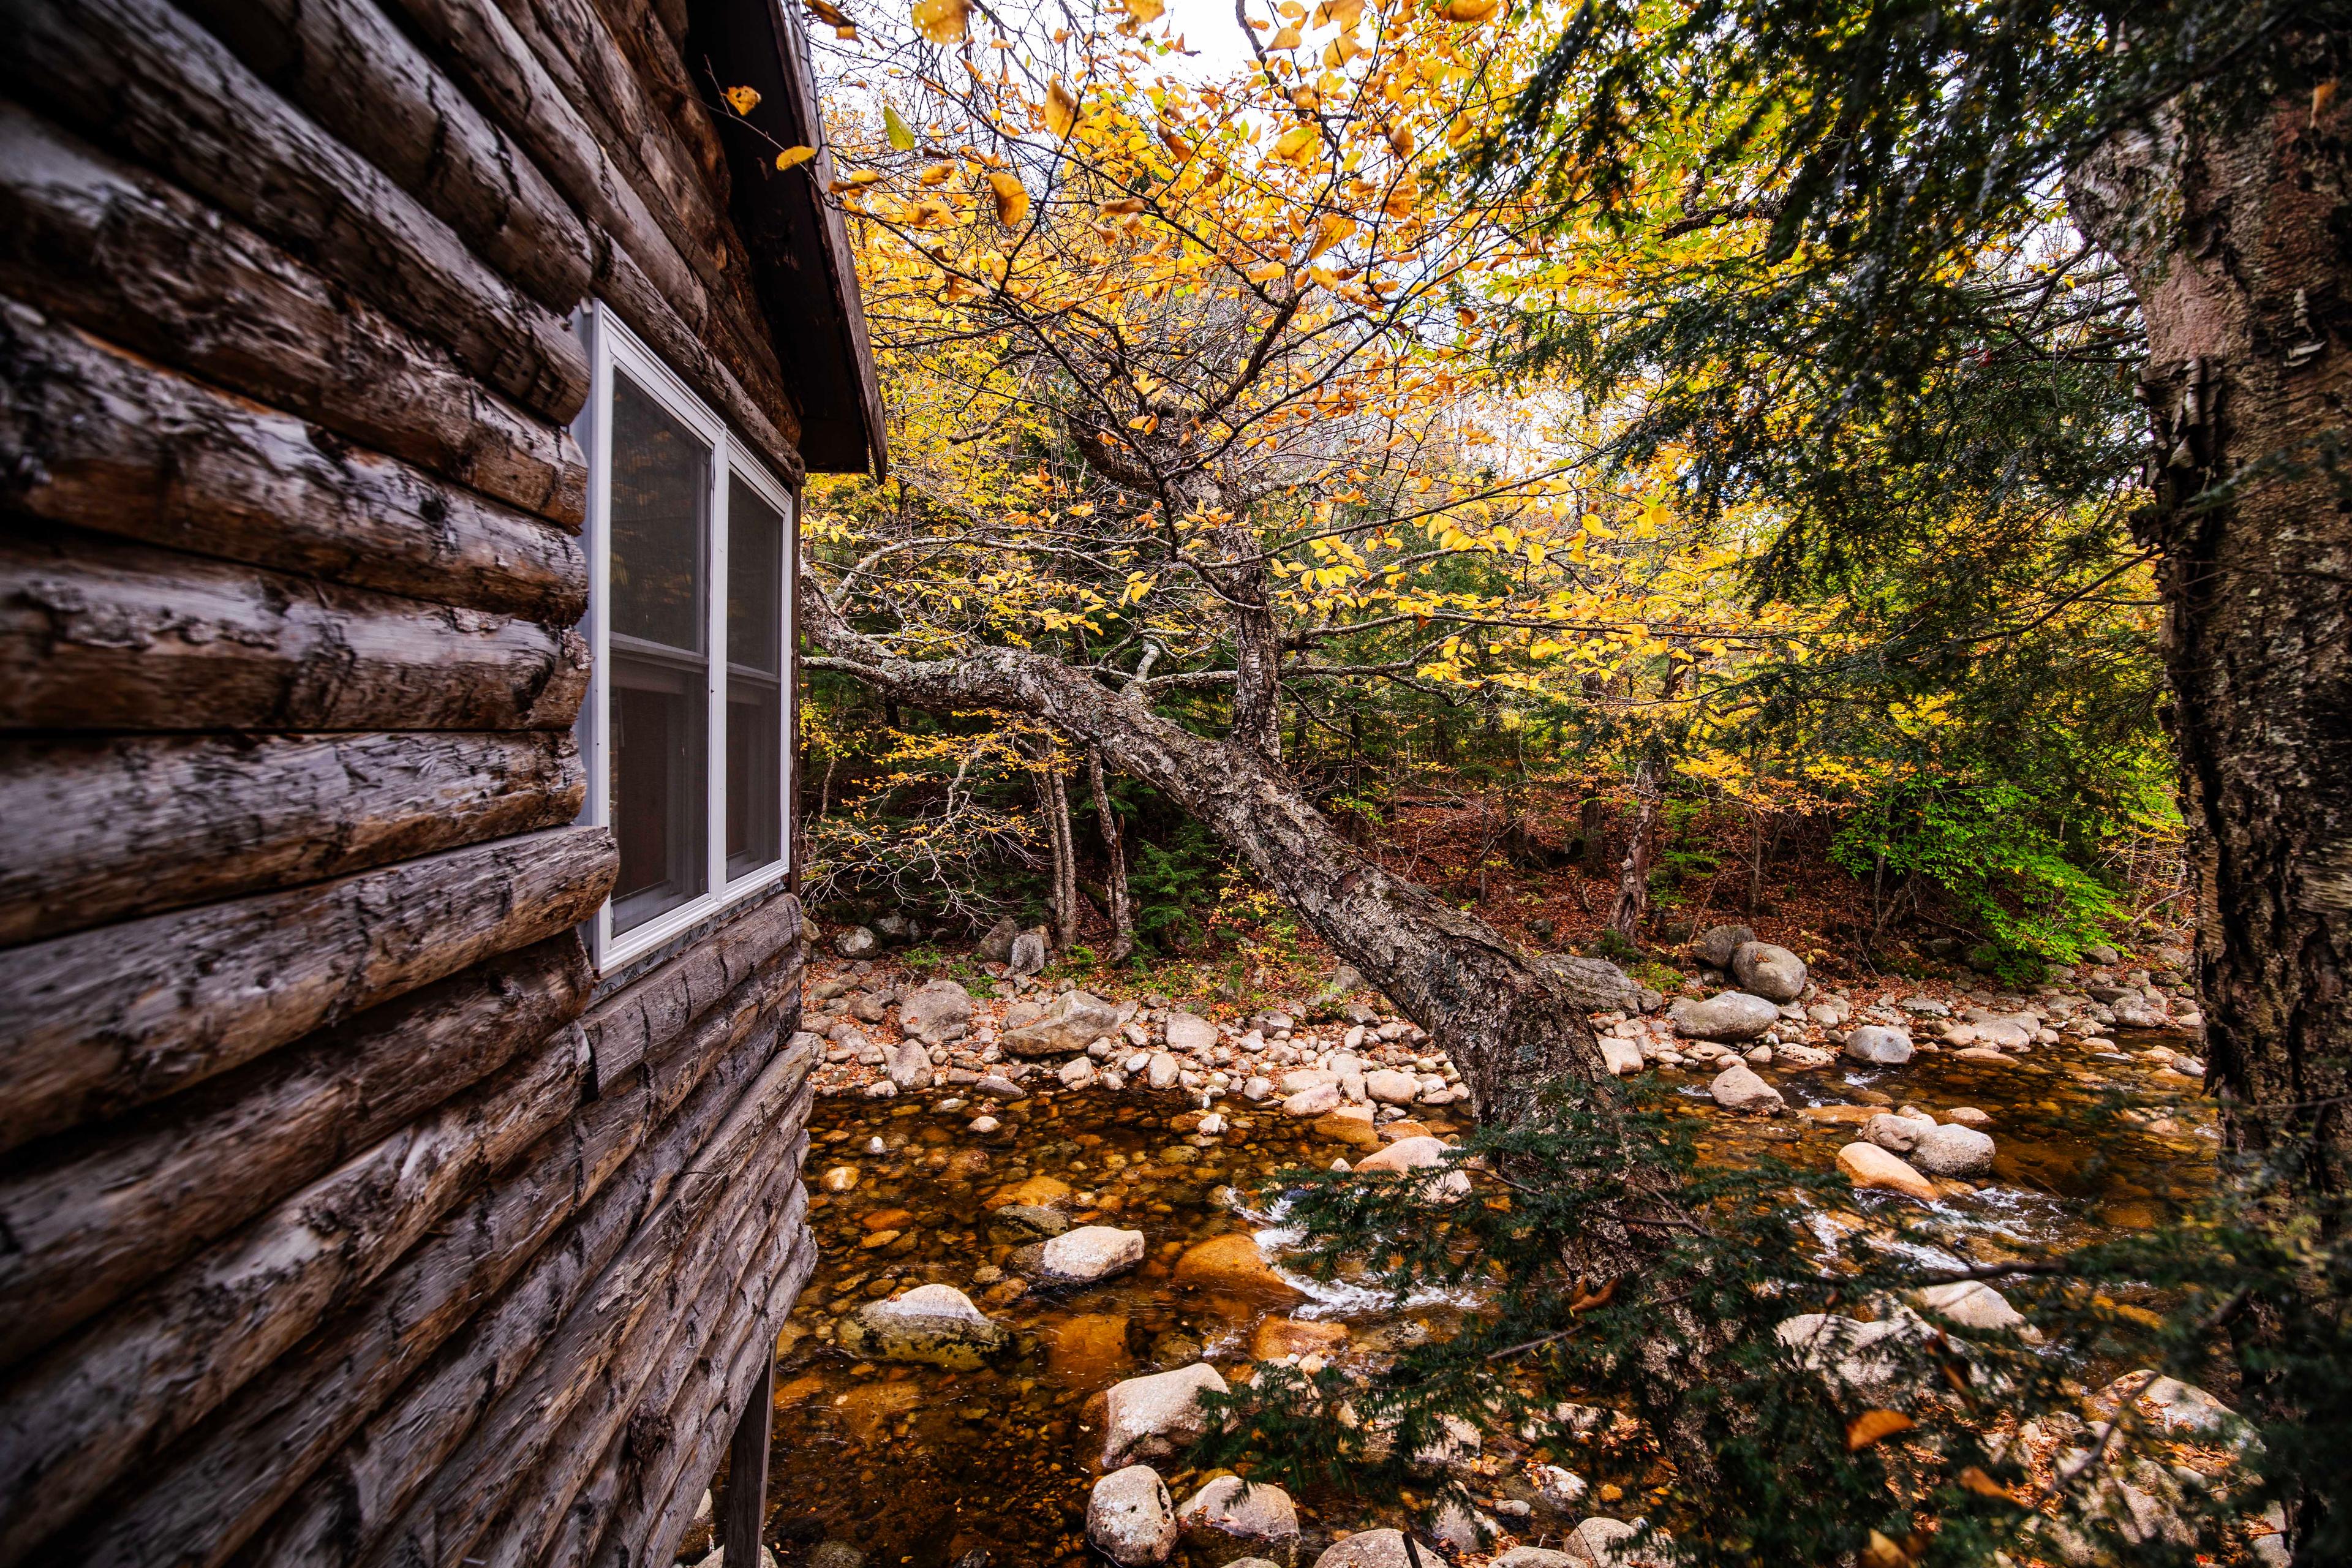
[(2236, 238), (1509, 1022)]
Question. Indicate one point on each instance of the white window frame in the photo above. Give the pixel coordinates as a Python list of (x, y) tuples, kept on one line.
[(611, 349)]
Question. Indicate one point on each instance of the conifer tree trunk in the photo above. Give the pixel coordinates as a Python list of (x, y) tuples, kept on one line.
[(1122, 908)]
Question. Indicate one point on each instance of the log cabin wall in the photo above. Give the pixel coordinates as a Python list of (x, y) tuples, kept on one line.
[(346, 1213)]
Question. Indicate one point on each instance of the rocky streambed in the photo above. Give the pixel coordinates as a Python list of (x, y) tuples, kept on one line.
[(1042, 1223)]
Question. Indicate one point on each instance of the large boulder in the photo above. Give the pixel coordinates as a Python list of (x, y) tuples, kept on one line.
[(996, 946), (909, 1065), (1076, 1020), (1715, 945), (1235, 1265), (934, 1323), (1370, 1549), (1130, 1518), (1149, 1417), (857, 941), (1728, 1016), (1952, 1151), (1736, 1087), (1868, 1165), (1081, 1256), (1029, 953), (1230, 1519), (1596, 985), (1772, 973), (1389, 1087), (1190, 1033), (1879, 1046), (1622, 1057), (934, 1007)]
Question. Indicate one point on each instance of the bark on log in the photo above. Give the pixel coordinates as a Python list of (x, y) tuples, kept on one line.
[(73, 1419), (110, 1019), (625, 1027), (657, 1474), (547, 1231), (343, 63), (113, 444), (93, 831), (1508, 1022), (116, 251), (2230, 223), (639, 272), (702, 1316), (92, 1223), (139, 76), (450, 1504), (654, 55), (98, 634)]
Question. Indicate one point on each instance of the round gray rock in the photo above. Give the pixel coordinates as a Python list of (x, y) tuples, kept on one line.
[(1952, 1151), (1369, 1549), (1716, 944), (934, 1007), (1130, 1519), (1738, 1087), (1768, 971), (1879, 1046), (1190, 1033), (1027, 954), (857, 941), (1729, 1015)]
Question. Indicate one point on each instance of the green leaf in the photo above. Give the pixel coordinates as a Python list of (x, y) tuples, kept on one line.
[(902, 135)]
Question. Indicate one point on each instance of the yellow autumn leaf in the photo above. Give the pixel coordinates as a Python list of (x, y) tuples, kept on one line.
[(1873, 1426), (1061, 108), (1266, 272), (742, 99), (1143, 13), (1469, 12), (1403, 198), (1295, 144), (1012, 199), (942, 21), (1288, 38), (829, 14), (794, 157), (1122, 206), (1330, 230)]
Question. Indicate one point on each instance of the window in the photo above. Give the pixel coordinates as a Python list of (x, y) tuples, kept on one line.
[(686, 726)]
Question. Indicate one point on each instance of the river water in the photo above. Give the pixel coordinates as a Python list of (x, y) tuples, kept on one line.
[(914, 1465)]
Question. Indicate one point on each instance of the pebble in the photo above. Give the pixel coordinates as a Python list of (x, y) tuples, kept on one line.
[(984, 1125)]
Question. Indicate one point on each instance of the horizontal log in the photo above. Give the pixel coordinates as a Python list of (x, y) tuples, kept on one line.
[(72, 1419), (704, 1311), (140, 1195), (496, 1275), (672, 1453), (106, 1020), (139, 76), (654, 55), (627, 1025), (374, 1480), (106, 442), (343, 63), (101, 829), (453, 1506), (641, 275), (120, 252), (100, 634)]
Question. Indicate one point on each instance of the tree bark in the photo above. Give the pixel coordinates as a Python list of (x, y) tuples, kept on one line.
[(1508, 1021), (2232, 234), (117, 252), (93, 831), (139, 75), (107, 1020), (1634, 873), (1122, 906), (1054, 801), (2231, 229), (105, 442)]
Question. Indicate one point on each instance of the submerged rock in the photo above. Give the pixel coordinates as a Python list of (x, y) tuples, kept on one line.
[(1235, 1265), (1081, 1256), (933, 1323), (1130, 1518)]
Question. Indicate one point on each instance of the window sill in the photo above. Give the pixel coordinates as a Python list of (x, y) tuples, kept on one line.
[(625, 950)]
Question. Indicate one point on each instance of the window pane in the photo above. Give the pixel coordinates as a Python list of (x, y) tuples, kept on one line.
[(661, 487), (754, 774), (658, 758), (755, 576)]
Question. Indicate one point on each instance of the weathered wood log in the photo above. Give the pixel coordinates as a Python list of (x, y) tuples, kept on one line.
[(698, 1317), (98, 830), (412, 1477), (640, 274), (515, 1260), (106, 442), (656, 1007), (744, 1517), (143, 1195), (106, 1020), (652, 54), (72, 1419), (343, 63), (655, 1504), (119, 252), (99, 634), (139, 76)]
